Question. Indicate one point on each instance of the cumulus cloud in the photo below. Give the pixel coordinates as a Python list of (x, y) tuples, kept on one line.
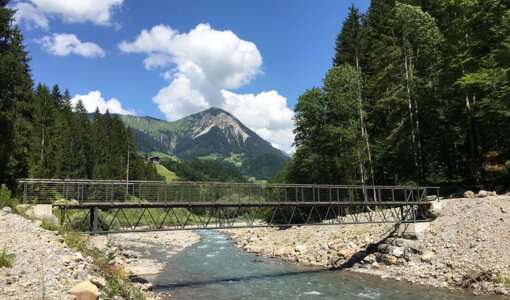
[(38, 12), (94, 100), (62, 44), (27, 13), (203, 66), (265, 113)]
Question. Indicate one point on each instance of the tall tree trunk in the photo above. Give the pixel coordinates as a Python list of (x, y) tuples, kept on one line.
[(417, 121), (364, 131), (411, 113)]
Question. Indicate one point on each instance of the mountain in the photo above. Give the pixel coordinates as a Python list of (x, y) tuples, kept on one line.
[(211, 134)]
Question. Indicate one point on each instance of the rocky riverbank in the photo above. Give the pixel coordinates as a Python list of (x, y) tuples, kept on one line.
[(468, 240), (147, 253), (44, 267)]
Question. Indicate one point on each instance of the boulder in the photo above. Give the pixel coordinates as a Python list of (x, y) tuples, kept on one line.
[(390, 259), (493, 193), (85, 290), (98, 241), (66, 201), (482, 194), (98, 281), (344, 252), (300, 248), (7, 210), (391, 250), (369, 259), (427, 256), (469, 194)]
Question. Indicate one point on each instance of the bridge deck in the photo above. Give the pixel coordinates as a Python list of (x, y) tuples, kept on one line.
[(186, 204), (101, 206)]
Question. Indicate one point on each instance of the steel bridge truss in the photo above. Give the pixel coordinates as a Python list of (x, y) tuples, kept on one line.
[(120, 206)]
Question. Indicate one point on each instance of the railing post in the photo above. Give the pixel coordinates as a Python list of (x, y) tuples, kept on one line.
[(25, 190), (94, 219)]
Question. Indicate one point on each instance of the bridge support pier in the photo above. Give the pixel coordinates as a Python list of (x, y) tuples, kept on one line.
[(411, 229)]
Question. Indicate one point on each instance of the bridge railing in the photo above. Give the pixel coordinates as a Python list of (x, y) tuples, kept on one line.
[(49, 191)]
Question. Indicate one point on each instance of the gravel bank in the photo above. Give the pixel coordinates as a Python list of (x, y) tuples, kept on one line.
[(469, 237), (148, 253), (44, 267)]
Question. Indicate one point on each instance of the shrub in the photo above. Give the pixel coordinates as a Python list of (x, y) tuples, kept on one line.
[(48, 225), (6, 259), (80, 221), (6, 199)]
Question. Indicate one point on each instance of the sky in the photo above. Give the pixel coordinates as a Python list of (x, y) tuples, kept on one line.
[(169, 59)]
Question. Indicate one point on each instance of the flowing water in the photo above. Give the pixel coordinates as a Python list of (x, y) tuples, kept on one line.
[(215, 269)]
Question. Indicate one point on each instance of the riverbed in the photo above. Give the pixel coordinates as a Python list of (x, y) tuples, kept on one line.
[(215, 269)]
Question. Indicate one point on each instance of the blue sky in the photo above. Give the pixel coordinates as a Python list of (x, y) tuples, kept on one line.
[(167, 59)]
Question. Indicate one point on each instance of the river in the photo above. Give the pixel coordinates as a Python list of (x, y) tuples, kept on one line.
[(215, 269)]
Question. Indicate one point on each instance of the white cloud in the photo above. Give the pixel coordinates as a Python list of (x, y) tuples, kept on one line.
[(38, 12), (94, 100), (266, 113), (203, 66), (31, 16), (62, 44)]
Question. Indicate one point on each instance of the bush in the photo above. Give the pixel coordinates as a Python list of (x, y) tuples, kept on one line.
[(6, 199), (6, 259), (48, 225), (80, 221)]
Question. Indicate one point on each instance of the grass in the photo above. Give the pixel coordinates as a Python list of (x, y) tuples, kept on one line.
[(49, 226), (163, 171), (164, 155), (6, 259)]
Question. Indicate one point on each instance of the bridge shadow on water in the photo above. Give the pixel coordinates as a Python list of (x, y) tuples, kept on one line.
[(199, 283)]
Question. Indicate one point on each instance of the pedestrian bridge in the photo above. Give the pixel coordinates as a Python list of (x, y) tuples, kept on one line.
[(100, 206)]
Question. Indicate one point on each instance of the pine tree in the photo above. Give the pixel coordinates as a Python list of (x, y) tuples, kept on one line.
[(82, 127), (15, 96), (42, 134), (348, 48)]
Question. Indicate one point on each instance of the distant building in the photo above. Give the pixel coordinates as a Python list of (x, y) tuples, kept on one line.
[(153, 160)]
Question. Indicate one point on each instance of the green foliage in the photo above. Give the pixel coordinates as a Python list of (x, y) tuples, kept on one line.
[(433, 98), (6, 259), (169, 175), (327, 130), (6, 199), (80, 221), (15, 97), (49, 225)]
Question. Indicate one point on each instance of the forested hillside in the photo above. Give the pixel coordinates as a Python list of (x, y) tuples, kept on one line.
[(42, 135), (204, 171), (418, 92)]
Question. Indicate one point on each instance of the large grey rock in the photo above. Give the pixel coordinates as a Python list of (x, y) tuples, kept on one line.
[(99, 241), (469, 194), (482, 194), (391, 250)]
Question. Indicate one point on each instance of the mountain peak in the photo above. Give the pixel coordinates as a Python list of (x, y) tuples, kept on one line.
[(211, 134), (214, 111), (215, 118)]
